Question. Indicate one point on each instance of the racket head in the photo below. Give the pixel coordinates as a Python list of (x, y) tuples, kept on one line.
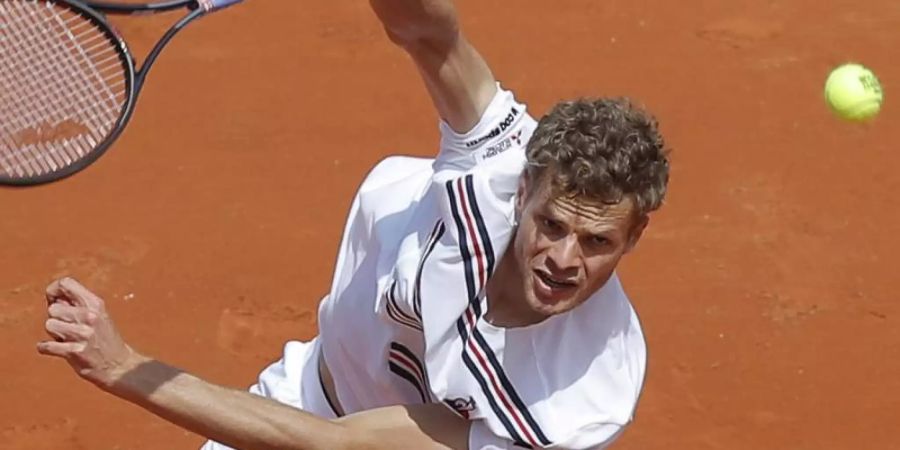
[(69, 95)]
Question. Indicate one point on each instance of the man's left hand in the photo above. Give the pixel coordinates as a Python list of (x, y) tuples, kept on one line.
[(84, 334)]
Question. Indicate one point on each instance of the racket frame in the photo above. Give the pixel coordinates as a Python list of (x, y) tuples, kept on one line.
[(140, 8)]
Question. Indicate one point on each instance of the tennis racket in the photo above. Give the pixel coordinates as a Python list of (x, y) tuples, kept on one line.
[(68, 82)]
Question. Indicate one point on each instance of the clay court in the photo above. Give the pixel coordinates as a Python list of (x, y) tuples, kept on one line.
[(767, 285)]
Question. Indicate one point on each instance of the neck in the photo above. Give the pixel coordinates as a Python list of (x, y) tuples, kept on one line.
[(507, 307)]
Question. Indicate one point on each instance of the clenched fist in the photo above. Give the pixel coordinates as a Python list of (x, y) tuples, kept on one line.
[(84, 334)]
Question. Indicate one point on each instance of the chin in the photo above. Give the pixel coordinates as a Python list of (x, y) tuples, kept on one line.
[(546, 301), (547, 308)]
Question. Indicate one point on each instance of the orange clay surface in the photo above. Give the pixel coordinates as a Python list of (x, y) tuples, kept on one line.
[(767, 284)]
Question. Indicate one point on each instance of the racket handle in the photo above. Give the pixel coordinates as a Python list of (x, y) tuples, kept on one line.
[(212, 5)]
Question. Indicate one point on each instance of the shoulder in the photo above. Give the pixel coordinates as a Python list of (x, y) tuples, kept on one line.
[(395, 184), (581, 396), (393, 169), (603, 398)]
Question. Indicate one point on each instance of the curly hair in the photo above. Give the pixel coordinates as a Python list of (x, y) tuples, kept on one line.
[(606, 149)]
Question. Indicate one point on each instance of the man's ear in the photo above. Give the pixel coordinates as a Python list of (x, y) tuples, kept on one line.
[(637, 230), (521, 194)]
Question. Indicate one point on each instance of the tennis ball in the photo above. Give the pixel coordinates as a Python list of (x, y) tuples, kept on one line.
[(853, 92)]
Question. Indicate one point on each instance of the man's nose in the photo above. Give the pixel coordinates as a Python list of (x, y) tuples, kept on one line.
[(565, 253)]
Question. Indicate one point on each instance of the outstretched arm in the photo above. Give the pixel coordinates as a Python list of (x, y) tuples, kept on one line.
[(458, 79), (84, 335)]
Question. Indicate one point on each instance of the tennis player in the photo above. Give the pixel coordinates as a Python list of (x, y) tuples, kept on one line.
[(474, 303)]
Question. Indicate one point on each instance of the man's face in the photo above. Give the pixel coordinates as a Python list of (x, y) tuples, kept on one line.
[(566, 248)]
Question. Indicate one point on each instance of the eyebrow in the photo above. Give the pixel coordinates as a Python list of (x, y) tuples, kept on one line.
[(596, 229)]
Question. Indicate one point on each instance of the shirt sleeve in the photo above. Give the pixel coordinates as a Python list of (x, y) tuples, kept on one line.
[(504, 125)]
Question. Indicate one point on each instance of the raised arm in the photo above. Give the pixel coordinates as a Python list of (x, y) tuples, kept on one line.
[(458, 79)]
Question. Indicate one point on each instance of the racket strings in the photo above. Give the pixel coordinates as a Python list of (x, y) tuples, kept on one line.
[(52, 55), (62, 89), (32, 110), (40, 111), (37, 152), (34, 113)]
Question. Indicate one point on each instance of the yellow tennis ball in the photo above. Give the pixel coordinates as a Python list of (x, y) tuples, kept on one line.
[(853, 92)]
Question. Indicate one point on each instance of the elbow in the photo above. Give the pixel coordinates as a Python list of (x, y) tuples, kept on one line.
[(433, 24)]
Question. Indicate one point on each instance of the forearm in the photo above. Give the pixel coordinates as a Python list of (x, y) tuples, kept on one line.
[(457, 78), (238, 419)]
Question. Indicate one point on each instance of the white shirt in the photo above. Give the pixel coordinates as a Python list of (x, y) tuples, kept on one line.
[(404, 323)]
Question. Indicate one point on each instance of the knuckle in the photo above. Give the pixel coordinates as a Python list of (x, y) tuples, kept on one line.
[(91, 317), (78, 349), (70, 285), (55, 309), (85, 332)]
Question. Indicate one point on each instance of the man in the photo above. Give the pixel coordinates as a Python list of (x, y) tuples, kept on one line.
[(474, 303)]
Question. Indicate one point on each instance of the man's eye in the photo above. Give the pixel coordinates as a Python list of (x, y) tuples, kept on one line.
[(550, 224), (600, 240)]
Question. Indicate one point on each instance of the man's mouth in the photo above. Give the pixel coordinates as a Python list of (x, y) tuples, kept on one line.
[(553, 282)]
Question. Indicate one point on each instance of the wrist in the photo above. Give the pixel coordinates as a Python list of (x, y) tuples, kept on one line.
[(119, 377)]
